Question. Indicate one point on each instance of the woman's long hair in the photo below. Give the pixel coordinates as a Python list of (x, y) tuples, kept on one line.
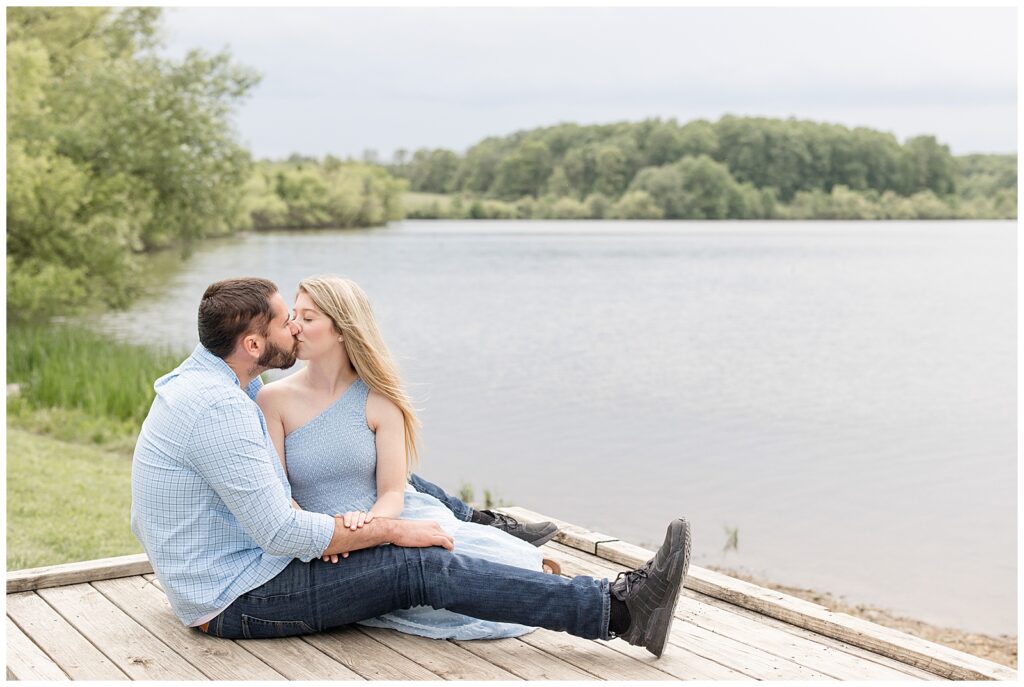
[(349, 309)]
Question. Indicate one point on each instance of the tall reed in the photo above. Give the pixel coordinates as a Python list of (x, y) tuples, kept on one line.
[(67, 366)]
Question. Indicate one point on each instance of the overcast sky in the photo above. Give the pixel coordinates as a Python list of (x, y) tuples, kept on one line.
[(341, 80)]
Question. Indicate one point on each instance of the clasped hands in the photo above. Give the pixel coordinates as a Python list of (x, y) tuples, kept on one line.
[(413, 533), (354, 519)]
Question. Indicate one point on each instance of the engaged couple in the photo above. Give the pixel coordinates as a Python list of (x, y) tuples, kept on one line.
[(291, 508)]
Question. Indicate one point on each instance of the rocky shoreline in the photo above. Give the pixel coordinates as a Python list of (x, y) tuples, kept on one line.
[(1000, 649)]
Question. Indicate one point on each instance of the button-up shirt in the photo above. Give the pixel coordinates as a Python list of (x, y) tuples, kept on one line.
[(210, 501)]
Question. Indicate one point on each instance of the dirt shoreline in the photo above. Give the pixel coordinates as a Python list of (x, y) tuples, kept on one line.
[(1001, 649)]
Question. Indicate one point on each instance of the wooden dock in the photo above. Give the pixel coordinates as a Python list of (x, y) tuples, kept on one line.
[(109, 620)]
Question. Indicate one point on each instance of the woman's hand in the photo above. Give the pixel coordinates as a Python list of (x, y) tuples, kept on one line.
[(354, 519)]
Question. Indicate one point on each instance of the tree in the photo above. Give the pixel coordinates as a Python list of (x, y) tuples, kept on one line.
[(693, 188), (111, 150), (636, 205), (696, 138), (524, 172), (558, 183), (929, 166), (612, 171)]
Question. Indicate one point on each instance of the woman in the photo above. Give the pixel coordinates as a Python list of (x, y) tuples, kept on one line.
[(346, 433)]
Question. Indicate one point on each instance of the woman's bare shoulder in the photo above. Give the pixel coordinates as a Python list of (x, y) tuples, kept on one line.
[(277, 392), (380, 408)]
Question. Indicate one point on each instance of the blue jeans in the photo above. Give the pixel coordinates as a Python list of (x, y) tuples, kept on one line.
[(456, 505), (315, 596)]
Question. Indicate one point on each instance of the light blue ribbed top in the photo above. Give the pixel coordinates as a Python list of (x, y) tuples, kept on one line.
[(332, 459)]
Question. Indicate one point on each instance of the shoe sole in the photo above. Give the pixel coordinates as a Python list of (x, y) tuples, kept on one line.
[(662, 618)]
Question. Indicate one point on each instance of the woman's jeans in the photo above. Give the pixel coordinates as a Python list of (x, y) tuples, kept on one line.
[(315, 596), (455, 505)]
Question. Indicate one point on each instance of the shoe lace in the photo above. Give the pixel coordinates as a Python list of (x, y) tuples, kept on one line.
[(627, 579), (503, 521)]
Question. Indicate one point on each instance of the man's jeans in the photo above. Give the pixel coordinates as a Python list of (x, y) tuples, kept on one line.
[(315, 596), (455, 505)]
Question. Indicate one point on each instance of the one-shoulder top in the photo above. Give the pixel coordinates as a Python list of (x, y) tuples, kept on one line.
[(332, 459)]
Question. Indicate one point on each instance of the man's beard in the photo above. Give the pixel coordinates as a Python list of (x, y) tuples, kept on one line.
[(275, 357)]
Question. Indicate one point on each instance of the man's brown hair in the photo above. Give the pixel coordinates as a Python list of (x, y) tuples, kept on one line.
[(231, 308)]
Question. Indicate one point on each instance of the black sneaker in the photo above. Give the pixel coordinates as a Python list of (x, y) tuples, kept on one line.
[(652, 591), (538, 533)]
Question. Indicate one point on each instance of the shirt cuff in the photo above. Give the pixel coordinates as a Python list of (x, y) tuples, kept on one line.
[(321, 528)]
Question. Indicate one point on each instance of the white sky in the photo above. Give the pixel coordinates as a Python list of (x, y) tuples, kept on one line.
[(340, 80)]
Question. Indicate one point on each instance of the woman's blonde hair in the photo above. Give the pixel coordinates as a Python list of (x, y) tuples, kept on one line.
[(349, 309)]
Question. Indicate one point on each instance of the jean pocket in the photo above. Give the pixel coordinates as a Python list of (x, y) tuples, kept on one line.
[(258, 628)]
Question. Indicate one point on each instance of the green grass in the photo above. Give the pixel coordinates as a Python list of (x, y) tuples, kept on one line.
[(83, 374), (71, 428), (65, 502)]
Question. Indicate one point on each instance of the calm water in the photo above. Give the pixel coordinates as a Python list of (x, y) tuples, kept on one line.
[(842, 393)]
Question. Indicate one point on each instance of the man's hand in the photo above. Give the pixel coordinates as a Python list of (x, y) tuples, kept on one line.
[(411, 533), (333, 557), (420, 533)]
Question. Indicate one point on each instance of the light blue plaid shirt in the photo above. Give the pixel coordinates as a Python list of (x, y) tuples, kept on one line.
[(210, 501)]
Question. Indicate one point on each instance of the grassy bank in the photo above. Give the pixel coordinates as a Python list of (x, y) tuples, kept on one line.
[(841, 203), (65, 501), (71, 425), (80, 386)]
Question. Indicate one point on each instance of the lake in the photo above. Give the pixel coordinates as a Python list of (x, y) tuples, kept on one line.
[(843, 394)]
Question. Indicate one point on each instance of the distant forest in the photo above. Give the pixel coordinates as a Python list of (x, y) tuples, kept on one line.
[(735, 168)]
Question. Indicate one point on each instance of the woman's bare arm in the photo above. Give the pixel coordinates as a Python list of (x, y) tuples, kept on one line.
[(386, 420)]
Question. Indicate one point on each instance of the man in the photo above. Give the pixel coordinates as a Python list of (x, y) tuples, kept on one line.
[(211, 506)]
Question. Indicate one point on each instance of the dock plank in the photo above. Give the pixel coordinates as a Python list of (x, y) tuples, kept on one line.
[(523, 660), (750, 660), (367, 657), (74, 573), (935, 658), (26, 661), (747, 658), (439, 656), (679, 663), (75, 655), (596, 658), (216, 658), (292, 657), (929, 656), (131, 647), (817, 656), (297, 659)]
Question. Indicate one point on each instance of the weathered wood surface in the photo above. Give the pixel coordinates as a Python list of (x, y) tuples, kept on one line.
[(26, 661), (934, 658), (110, 620), (73, 573), (75, 655), (822, 654)]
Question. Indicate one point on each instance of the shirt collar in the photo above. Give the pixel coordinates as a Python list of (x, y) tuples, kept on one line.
[(214, 363)]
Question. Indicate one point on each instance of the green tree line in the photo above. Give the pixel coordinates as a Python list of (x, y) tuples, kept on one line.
[(114, 151), (305, 193), (737, 167)]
